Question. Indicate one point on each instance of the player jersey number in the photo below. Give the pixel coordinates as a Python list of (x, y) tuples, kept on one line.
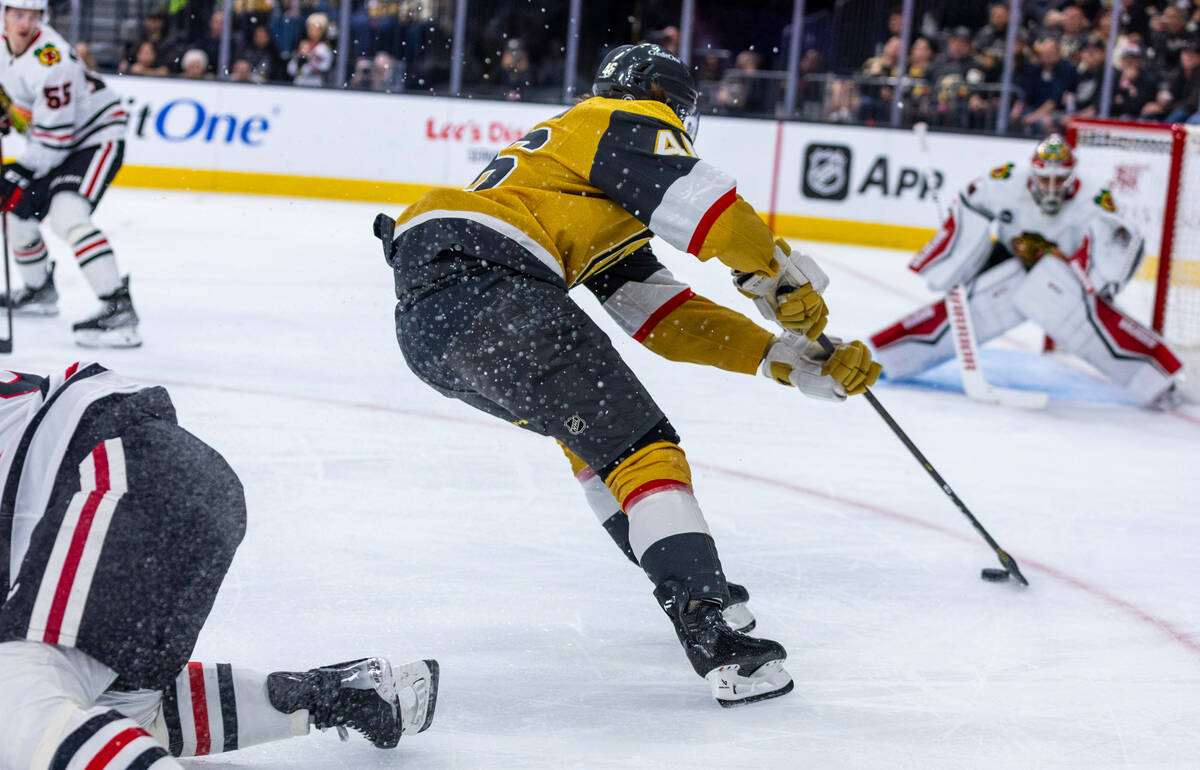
[(502, 166), (57, 96)]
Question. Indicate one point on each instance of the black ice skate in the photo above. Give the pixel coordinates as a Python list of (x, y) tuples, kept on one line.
[(736, 613), (42, 301), (115, 326), (366, 695), (739, 669)]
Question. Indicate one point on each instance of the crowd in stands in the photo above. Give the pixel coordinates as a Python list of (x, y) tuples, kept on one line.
[(288, 41), (953, 73)]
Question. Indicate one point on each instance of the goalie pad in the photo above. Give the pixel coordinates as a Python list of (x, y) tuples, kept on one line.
[(921, 340), (957, 251), (1086, 325)]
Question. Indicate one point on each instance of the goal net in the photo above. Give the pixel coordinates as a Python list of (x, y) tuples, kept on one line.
[(1153, 173)]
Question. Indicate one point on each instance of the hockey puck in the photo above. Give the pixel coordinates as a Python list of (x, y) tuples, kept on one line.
[(993, 574)]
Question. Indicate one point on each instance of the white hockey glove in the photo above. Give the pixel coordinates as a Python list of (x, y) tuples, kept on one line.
[(793, 297), (802, 363)]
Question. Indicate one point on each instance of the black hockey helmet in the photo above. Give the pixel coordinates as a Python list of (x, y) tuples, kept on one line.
[(649, 71)]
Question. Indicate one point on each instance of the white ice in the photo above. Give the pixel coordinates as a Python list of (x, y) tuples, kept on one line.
[(385, 519)]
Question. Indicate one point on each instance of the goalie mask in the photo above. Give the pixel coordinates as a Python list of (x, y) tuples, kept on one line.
[(649, 71), (1052, 174)]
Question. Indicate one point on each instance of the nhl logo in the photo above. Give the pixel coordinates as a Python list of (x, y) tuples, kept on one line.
[(575, 424), (826, 171)]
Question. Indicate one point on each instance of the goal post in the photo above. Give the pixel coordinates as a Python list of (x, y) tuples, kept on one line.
[(1153, 173)]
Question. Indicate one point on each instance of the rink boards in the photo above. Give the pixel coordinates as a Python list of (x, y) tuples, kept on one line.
[(826, 182)]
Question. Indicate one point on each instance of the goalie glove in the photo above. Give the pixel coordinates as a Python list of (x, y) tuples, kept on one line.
[(802, 363), (793, 296)]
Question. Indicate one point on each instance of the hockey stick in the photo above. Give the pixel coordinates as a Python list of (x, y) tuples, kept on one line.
[(1008, 562), (966, 345), (6, 344)]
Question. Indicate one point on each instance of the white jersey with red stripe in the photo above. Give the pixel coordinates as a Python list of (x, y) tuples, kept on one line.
[(1087, 230), (38, 419), (57, 103)]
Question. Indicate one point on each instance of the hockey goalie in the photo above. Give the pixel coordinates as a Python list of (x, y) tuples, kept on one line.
[(1036, 244)]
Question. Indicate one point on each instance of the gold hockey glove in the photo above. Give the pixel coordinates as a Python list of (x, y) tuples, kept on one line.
[(802, 363), (793, 296)]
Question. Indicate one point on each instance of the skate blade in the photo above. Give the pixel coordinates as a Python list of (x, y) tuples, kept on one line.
[(417, 685), (108, 338), (730, 688), (35, 311), (739, 618)]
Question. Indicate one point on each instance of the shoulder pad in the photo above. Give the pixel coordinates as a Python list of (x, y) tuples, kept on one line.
[(1105, 201), (48, 54), (1002, 172)]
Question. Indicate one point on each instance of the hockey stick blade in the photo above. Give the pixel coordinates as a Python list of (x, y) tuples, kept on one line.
[(1009, 562)]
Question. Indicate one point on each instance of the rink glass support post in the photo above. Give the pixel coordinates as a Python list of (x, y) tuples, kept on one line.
[(458, 46), (345, 43), (686, 23), (1006, 79), (76, 17), (902, 63), (223, 52), (1114, 29), (795, 41), (572, 63)]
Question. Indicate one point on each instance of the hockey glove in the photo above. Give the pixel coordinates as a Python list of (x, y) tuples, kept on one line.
[(793, 296), (802, 363), (13, 184)]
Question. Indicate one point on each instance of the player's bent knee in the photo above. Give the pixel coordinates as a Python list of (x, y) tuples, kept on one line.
[(70, 216)]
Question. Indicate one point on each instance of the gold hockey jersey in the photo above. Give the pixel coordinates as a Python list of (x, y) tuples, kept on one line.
[(585, 191)]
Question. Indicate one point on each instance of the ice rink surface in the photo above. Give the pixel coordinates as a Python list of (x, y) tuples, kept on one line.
[(385, 519)]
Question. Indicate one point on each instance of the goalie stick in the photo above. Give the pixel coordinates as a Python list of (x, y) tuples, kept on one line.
[(1007, 561), (966, 346)]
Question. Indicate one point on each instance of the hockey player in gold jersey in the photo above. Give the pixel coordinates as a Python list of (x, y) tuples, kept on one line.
[(482, 276)]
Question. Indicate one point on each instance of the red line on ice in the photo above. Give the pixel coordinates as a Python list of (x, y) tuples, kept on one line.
[(1131, 609)]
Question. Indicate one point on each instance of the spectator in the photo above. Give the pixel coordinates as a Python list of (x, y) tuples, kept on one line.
[(953, 74), (1093, 57), (314, 58), (84, 52), (741, 89), (1184, 86), (264, 58), (876, 94), (195, 65), (812, 84), (374, 27), (667, 37), (1135, 88), (387, 76), (210, 40), (516, 76), (989, 42), (360, 79), (1075, 31), (1169, 39), (919, 104), (1046, 85), (242, 72), (146, 62)]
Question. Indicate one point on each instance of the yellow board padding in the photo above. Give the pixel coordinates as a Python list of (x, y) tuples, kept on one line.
[(255, 183), (872, 234)]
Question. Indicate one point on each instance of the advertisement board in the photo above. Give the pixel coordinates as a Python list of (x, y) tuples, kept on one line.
[(816, 181)]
